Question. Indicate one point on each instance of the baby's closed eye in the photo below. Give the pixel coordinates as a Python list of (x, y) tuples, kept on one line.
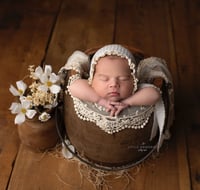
[(103, 78), (124, 78)]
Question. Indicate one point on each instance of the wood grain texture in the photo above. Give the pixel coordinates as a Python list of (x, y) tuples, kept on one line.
[(147, 26), (24, 31), (36, 31), (186, 36), (92, 24)]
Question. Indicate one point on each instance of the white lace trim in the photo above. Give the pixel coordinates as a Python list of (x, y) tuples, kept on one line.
[(73, 78), (135, 119)]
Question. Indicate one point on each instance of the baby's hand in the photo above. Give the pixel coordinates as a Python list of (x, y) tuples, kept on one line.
[(119, 107), (110, 107), (113, 107)]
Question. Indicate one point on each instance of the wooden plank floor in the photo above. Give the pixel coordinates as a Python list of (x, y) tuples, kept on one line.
[(35, 31)]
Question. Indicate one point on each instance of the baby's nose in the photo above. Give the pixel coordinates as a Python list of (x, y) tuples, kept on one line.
[(113, 83)]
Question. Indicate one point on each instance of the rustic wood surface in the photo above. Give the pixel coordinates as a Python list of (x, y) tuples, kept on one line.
[(34, 31)]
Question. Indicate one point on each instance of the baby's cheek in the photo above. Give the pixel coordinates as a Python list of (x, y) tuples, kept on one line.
[(99, 89), (127, 91)]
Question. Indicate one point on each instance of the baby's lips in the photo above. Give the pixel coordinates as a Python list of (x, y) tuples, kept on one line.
[(113, 94)]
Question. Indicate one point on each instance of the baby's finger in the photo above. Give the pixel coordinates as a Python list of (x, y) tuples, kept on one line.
[(115, 103), (117, 112), (112, 112), (110, 108)]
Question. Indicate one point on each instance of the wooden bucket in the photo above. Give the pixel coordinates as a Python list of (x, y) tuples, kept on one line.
[(119, 150)]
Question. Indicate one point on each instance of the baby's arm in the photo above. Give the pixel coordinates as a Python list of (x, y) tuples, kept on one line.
[(144, 96), (82, 90)]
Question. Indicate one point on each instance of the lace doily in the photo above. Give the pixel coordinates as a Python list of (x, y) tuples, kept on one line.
[(133, 117)]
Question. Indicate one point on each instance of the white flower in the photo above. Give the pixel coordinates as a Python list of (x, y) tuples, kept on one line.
[(48, 79), (22, 110), (49, 82), (44, 117), (19, 91), (38, 72), (50, 106), (42, 94)]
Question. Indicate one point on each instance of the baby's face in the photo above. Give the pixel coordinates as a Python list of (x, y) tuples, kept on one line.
[(112, 79)]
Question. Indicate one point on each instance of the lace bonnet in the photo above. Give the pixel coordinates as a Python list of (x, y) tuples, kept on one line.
[(114, 49)]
